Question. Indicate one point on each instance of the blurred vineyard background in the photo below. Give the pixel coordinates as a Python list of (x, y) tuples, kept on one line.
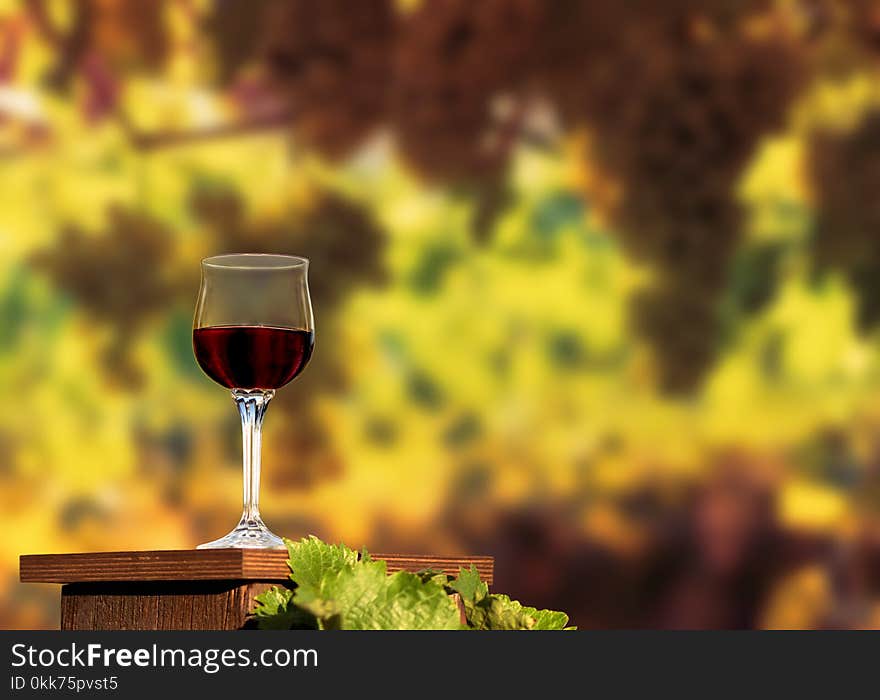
[(596, 285)]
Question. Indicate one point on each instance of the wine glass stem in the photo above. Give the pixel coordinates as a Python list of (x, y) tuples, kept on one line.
[(252, 407)]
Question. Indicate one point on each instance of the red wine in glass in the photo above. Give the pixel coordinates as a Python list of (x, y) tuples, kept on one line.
[(252, 357), (253, 332)]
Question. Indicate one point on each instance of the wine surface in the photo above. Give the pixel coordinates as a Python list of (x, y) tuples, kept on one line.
[(252, 357)]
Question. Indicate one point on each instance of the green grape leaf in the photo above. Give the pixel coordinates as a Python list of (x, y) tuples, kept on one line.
[(363, 596), (549, 620), (310, 560), (485, 611), (469, 586), (499, 612), (275, 610), (336, 589), (340, 589), (409, 603), (436, 577)]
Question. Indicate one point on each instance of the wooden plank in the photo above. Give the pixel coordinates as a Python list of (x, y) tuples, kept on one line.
[(207, 565), (158, 605), (78, 608), (146, 610), (236, 613), (170, 565), (111, 612), (68, 611), (209, 610), (175, 611), (450, 565)]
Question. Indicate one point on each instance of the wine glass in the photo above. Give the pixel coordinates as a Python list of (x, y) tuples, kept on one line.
[(253, 332)]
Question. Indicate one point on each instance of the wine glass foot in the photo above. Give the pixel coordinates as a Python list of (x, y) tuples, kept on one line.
[(249, 534)]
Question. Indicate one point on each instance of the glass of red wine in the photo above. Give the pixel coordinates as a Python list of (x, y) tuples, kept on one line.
[(253, 332)]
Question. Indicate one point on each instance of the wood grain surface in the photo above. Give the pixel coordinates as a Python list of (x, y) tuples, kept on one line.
[(208, 565), (159, 605)]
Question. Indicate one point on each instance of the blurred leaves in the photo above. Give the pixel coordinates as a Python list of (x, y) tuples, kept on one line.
[(453, 60), (845, 171), (97, 41), (119, 276), (134, 248), (754, 277), (563, 256), (236, 28), (330, 60), (342, 241)]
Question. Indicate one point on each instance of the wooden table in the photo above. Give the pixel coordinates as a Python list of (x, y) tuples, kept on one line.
[(198, 589)]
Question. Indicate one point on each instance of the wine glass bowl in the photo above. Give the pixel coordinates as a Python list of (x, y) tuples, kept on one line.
[(252, 357), (253, 332)]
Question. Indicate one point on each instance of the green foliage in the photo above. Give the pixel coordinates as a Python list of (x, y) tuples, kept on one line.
[(312, 560), (469, 586), (566, 350), (13, 309), (364, 597), (177, 338), (556, 212), (424, 391), (464, 429), (496, 611), (430, 271), (276, 611), (754, 277), (334, 588)]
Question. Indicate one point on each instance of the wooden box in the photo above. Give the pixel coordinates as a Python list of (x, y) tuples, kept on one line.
[(198, 589)]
